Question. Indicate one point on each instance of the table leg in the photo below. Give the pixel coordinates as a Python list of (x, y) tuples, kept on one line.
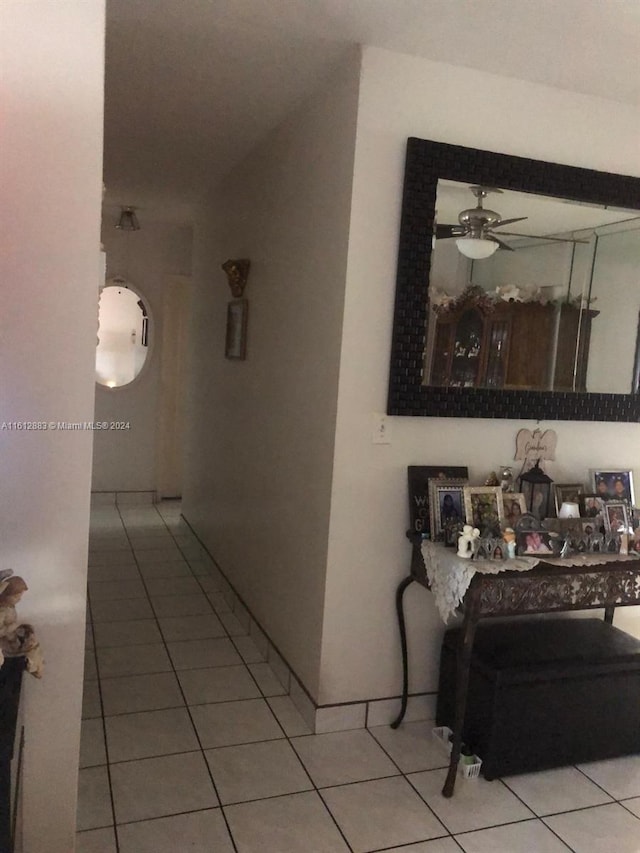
[(463, 662), (608, 613), (403, 642)]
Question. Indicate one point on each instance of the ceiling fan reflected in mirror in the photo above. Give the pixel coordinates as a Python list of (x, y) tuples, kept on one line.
[(474, 233)]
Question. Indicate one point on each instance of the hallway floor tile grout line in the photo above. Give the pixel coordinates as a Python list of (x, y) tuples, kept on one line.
[(186, 747)]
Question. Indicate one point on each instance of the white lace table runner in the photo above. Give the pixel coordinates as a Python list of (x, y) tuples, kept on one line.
[(450, 575)]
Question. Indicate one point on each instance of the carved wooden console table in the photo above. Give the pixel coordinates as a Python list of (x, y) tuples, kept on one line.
[(599, 581)]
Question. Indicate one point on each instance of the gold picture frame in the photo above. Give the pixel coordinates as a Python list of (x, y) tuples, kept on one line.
[(484, 506)]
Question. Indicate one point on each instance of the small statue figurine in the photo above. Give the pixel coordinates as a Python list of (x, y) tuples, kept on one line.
[(492, 479), (466, 541), (506, 479), (17, 640), (509, 537)]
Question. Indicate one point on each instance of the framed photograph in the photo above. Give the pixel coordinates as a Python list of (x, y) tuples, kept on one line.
[(418, 477), (613, 485), (570, 493), (616, 517), (236, 341), (515, 506), (534, 542), (589, 526), (484, 508), (446, 504)]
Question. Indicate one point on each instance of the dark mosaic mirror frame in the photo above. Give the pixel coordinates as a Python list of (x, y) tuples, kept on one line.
[(426, 162)]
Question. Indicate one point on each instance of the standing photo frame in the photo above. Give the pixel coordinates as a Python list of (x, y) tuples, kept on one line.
[(446, 505), (418, 477), (616, 517), (569, 493), (515, 506), (484, 507), (613, 485)]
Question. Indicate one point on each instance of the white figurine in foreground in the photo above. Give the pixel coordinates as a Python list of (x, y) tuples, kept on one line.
[(466, 540)]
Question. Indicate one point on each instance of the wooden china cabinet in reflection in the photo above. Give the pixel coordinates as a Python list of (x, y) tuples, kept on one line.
[(482, 343)]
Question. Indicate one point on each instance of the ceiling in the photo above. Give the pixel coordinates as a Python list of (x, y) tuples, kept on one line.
[(192, 85)]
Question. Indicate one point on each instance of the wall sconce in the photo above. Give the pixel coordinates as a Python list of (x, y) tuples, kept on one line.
[(128, 220)]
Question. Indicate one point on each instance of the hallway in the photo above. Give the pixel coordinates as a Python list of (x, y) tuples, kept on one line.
[(189, 742)]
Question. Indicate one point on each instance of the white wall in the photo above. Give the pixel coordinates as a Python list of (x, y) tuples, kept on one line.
[(261, 445), (403, 96), (51, 143), (125, 460)]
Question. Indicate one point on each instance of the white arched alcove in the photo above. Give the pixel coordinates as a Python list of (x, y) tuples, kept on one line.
[(124, 331)]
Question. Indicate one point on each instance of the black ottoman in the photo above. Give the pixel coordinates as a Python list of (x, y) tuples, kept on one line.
[(545, 693)]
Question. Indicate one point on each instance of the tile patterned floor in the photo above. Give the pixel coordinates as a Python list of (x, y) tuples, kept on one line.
[(189, 745)]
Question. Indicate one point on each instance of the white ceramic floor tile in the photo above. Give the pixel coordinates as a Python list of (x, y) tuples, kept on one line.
[(113, 573), (150, 733), (156, 787), (230, 723), (603, 829), (132, 633), (176, 569), (411, 746), (256, 770), (232, 624), (200, 654), (205, 567), (266, 678), (107, 542), (205, 830), (476, 803), (204, 627), (111, 558), (135, 693), (248, 650), (620, 777), (96, 841), (221, 605), (297, 823), (440, 845), (180, 605), (382, 813), (121, 611), (158, 555), (219, 684), (341, 757), (91, 707), (94, 799), (529, 837), (208, 582), (161, 540), (561, 790), (133, 660), (116, 590), (633, 805), (90, 666), (92, 748), (288, 716), (173, 586)]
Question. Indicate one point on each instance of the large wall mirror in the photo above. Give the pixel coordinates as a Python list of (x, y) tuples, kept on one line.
[(518, 289), (123, 335)]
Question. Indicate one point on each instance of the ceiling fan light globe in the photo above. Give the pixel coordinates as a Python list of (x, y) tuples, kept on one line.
[(476, 248)]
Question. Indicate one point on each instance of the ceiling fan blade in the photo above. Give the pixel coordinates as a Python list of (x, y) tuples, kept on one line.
[(510, 221), (541, 237), (445, 231), (501, 245)]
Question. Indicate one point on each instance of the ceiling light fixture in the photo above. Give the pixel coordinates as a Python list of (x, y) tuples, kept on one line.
[(476, 248), (128, 220)]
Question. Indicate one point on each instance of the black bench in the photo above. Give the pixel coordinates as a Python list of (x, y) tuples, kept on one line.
[(545, 693)]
